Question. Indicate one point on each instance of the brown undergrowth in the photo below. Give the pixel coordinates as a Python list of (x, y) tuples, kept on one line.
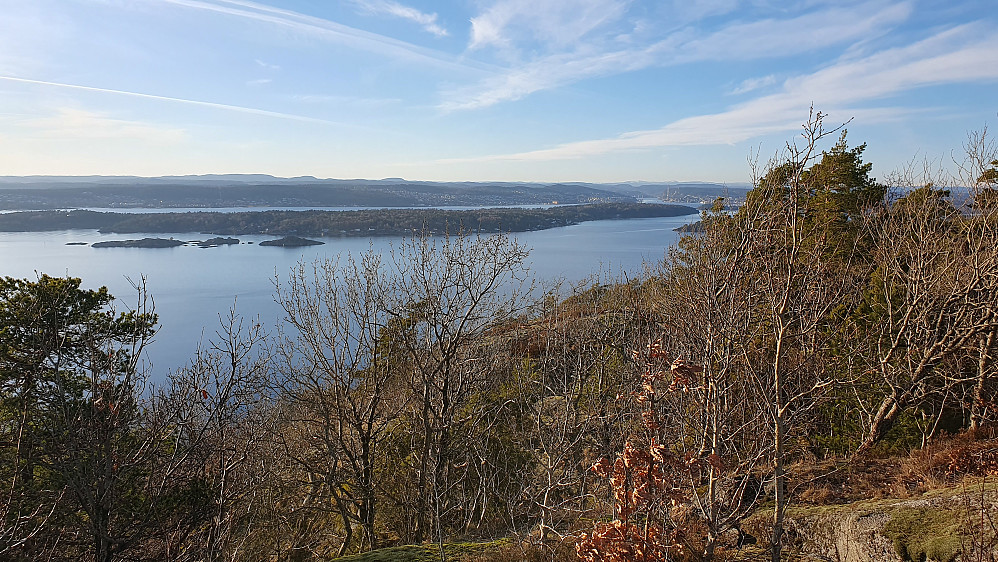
[(944, 462)]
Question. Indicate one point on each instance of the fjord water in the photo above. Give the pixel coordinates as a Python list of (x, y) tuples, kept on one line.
[(192, 286)]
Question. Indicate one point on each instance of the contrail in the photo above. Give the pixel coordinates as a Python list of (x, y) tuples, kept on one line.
[(198, 103)]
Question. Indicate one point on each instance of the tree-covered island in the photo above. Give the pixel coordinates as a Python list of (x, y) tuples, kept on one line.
[(373, 222), (143, 243)]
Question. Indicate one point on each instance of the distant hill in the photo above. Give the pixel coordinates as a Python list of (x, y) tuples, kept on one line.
[(258, 190), (676, 192), (266, 191)]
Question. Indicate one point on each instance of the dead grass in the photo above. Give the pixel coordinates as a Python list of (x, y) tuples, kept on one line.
[(947, 461), (841, 480), (944, 462)]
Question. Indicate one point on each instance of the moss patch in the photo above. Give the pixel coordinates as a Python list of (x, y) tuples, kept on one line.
[(925, 534)]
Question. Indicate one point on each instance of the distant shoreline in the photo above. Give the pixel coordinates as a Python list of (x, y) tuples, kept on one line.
[(366, 223)]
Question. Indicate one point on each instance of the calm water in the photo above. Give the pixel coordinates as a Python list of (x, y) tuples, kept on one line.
[(192, 286)]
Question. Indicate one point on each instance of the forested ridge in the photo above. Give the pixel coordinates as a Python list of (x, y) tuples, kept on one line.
[(424, 397), (371, 222), (264, 191)]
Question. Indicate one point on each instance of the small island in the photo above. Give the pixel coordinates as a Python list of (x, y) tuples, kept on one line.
[(218, 241), (291, 242), (143, 243)]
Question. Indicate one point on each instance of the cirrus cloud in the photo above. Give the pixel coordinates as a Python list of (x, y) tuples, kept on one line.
[(391, 8), (962, 54), (586, 59)]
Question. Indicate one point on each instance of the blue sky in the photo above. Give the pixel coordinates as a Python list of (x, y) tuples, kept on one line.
[(513, 90)]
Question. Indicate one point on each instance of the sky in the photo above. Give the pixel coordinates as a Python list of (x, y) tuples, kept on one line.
[(484, 90)]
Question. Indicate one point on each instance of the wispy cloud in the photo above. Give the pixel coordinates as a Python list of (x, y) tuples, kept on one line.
[(549, 73), (391, 8), (589, 59), (791, 36), (266, 65), (753, 84), (558, 24), (77, 124), (963, 54), (325, 29), (212, 105)]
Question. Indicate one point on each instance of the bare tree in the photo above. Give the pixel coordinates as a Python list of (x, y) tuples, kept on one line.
[(980, 170), (218, 413), (342, 377), (448, 292), (800, 275), (936, 288), (398, 348), (576, 365), (717, 421)]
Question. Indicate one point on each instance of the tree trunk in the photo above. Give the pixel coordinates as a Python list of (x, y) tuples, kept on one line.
[(423, 495), (347, 528), (367, 504), (780, 486), (883, 420), (102, 542), (978, 406)]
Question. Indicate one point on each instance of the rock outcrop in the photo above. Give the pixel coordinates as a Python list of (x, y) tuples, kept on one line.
[(944, 525)]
